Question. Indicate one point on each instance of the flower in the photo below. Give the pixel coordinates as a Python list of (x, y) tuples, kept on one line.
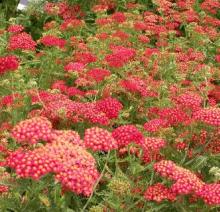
[(186, 182), (8, 63), (98, 74), (51, 40), (15, 28), (99, 139), (158, 192), (155, 125), (78, 67), (127, 134), (32, 130), (21, 41), (110, 106), (210, 193), (209, 116)]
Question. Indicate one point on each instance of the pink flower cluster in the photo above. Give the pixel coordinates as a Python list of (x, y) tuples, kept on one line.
[(51, 40), (32, 130), (72, 165), (189, 101), (120, 56), (100, 111), (15, 28), (155, 125), (209, 116), (186, 182), (8, 63), (98, 74), (126, 134), (158, 192), (22, 41), (99, 139), (136, 85)]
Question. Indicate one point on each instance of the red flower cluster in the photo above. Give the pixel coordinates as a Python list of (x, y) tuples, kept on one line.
[(189, 101), (78, 67), (151, 149), (186, 182), (15, 28), (127, 134), (68, 135), (173, 116), (209, 116), (85, 57), (98, 74), (51, 40), (120, 56), (155, 125), (110, 106), (3, 189), (70, 24), (119, 17), (137, 85), (158, 192), (30, 164), (8, 63), (210, 193), (33, 130), (72, 165), (99, 139), (22, 41)]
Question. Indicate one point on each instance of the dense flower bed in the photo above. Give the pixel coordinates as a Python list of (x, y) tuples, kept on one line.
[(113, 109)]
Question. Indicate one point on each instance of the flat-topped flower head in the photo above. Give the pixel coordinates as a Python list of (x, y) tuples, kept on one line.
[(99, 139), (158, 192), (31, 131), (209, 116), (110, 106), (127, 134), (8, 63), (22, 41)]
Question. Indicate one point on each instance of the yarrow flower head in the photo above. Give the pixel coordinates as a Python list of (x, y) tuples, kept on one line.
[(186, 182), (51, 40), (158, 192), (71, 67), (98, 74), (99, 139), (15, 28), (30, 164), (127, 134), (155, 125), (189, 101), (72, 165), (210, 193), (21, 41), (32, 130), (8, 63), (110, 106), (209, 116), (153, 143), (68, 135)]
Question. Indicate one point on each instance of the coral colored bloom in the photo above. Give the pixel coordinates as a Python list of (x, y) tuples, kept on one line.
[(127, 134), (98, 74), (32, 130), (209, 116), (50, 40), (8, 63), (74, 67), (110, 106), (158, 192), (21, 41), (15, 28), (99, 139)]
